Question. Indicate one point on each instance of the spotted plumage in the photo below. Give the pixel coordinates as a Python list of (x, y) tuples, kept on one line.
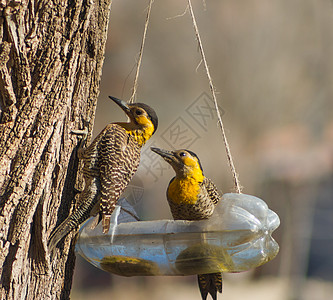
[(115, 155), (110, 162), (192, 196)]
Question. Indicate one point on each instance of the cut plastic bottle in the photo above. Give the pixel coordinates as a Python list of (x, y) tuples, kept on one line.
[(236, 238)]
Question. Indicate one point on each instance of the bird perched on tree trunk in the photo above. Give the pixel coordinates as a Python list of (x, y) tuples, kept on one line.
[(192, 196), (110, 162)]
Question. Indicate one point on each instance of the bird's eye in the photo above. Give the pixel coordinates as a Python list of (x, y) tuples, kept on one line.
[(182, 154), (139, 112)]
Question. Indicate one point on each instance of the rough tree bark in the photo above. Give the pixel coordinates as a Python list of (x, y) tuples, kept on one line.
[(51, 56)]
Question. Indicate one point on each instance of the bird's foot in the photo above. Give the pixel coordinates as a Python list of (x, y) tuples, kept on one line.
[(83, 133), (106, 220)]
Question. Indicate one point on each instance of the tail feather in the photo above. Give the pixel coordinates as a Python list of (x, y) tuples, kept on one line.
[(72, 222), (61, 231), (210, 283)]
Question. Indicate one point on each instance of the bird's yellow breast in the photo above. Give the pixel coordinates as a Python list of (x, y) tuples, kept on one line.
[(184, 191)]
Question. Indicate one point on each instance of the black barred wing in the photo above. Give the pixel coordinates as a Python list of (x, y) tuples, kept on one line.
[(119, 157), (212, 191)]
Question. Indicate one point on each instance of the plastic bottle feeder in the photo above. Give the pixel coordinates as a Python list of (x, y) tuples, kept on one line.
[(236, 238)]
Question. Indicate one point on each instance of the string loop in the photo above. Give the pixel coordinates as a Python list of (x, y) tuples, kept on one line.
[(211, 85)]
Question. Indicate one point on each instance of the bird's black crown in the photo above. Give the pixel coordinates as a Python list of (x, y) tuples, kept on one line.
[(151, 113)]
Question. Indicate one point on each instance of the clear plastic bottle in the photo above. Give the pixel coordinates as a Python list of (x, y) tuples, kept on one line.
[(236, 238)]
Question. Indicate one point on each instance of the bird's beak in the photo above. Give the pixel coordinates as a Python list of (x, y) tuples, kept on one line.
[(124, 106), (167, 155)]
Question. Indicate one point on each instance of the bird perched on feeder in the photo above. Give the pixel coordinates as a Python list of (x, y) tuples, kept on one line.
[(110, 162), (192, 196)]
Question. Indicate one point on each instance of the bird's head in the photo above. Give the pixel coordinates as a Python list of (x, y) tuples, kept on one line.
[(185, 162), (143, 119)]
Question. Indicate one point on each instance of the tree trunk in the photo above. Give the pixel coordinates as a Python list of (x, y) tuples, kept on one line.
[(51, 56)]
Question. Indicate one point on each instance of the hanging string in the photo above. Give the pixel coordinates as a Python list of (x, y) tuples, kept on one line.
[(224, 137), (135, 85)]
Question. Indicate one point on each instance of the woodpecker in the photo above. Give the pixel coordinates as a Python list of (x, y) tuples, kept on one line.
[(110, 162), (192, 196)]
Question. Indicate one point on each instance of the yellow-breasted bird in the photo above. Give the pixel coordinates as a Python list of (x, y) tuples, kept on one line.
[(192, 196), (110, 162)]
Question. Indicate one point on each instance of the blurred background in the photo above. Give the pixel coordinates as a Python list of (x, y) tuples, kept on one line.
[(272, 65)]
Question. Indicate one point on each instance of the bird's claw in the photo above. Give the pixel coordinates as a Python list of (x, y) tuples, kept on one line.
[(83, 132)]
